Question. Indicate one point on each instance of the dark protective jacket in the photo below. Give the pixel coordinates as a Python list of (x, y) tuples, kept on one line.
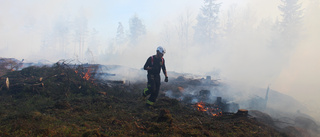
[(157, 64)]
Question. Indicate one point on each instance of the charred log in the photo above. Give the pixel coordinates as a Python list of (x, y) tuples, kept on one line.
[(242, 112)]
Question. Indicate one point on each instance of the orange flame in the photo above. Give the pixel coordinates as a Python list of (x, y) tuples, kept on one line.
[(200, 106), (213, 111), (216, 112), (87, 75)]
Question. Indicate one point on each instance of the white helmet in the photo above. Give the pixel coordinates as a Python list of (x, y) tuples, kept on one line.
[(161, 50)]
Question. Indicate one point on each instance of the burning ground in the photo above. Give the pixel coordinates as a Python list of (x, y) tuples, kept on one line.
[(67, 100)]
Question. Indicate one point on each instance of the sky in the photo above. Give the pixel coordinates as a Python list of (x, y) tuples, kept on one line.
[(26, 25)]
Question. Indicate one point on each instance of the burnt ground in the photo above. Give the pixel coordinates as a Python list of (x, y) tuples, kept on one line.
[(59, 101)]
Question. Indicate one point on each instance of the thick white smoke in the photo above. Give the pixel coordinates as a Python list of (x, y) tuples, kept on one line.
[(86, 31)]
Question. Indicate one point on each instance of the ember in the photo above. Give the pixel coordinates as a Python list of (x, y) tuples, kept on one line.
[(216, 112), (87, 75), (213, 110), (200, 106)]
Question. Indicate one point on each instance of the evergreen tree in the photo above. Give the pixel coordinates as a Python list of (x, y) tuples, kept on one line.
[(137, 28), (120, 33), (206, 29), (60, 33), (290, 25), (183, 29)]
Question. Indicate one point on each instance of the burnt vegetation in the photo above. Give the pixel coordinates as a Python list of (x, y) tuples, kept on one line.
[(60, 100)]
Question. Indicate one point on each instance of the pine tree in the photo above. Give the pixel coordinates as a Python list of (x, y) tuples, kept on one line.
[(183, 29), (206, 29), (137, 28), (290, 25), (120, 34)]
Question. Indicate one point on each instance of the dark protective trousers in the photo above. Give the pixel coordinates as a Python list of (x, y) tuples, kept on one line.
[(153, 88)]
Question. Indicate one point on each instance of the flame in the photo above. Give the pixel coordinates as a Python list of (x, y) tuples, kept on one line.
[(200, 106), (216, 114), (181, 89), (214, 111), (87, 75)]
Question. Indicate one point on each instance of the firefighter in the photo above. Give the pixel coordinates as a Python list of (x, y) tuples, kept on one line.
[(154, 65)]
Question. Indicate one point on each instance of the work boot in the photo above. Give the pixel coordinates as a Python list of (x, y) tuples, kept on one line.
[(143, 93)]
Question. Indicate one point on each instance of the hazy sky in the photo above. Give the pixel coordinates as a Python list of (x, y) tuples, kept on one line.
[(24, 24)]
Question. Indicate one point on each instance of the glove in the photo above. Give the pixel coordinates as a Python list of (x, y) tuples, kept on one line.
[(166, 79)]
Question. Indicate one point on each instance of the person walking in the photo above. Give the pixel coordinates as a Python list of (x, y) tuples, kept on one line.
[(153, 65)]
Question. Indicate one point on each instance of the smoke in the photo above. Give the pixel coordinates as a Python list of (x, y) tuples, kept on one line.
[(245, 52)]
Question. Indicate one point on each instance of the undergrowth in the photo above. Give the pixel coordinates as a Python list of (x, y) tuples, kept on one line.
[(57, 101)]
